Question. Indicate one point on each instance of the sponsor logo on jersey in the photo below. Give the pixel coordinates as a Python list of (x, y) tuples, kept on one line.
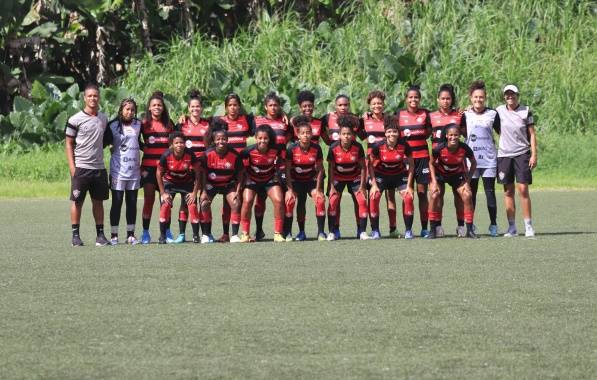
[(371, 139), (407, 132), (212, 175), (335, 136), (188, 144), (151, 139), (227, 165), (420, 119)]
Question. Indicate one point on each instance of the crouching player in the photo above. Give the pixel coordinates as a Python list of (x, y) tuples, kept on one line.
[(261, 162), (449, 166), (304, 176), (346, 160), (388, 171), (222, 174), (179, 172)]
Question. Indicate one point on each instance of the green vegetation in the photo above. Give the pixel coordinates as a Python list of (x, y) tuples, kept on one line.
[(445, 309)]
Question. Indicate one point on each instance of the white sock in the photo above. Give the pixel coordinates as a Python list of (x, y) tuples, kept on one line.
[(528, 223)]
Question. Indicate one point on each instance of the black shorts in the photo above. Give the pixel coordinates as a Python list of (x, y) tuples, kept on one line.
[(455, 181), (517, 167), (391, 182), (282, 177), (93, 180), (422, 171), (178, 188), (148, 175), (304, 187), (212, 191), (352, 186), (261, 188)]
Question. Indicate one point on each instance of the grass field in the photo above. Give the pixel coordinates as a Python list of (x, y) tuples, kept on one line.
[(492, 308)]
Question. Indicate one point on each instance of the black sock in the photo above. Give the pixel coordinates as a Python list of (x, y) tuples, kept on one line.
[(195, 227), (287, 225), (301, 225), (226, 228), (392, 228), (206, 228), (146, 223), (460, 222), (434, 224), (424, 225), (320, 224), (235, 227), (130, 233), (375, 223), (259, 223), (469, 227), (75, 229), (182, 226), (99, 229), (168, 224), (163, 228), (363, 224), (332, 223), (113, 235), (408, 221)]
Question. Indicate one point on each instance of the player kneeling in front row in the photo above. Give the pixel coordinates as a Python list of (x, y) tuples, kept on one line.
[(304, 176), (346, 160), (449, 166), (178, 172), (388, 172), (222, 174), (261, 162)]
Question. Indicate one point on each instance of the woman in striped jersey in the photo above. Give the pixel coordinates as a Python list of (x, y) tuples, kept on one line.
[(156, 129), (306, 103), (481, 121)]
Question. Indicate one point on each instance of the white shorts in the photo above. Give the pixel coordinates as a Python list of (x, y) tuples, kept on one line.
[(485, 172), (125, 184)]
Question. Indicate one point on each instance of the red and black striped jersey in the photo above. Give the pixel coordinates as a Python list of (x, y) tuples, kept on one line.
[(330, 129), (416, 129), (283, 133), (347, 162), (316, 131), (194, 135), (449, 163), (239, 130), (388, 161), (260, 167), (178, 170), (221, 170), (371, 129), (304, 162), (438, 122), (155, 141)]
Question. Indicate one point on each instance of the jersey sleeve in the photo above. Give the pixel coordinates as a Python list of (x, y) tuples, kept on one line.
[(238, 164), (407, 149), (530, 121), (244, 157), (163, 163), (361, 151), (435, 152), (289, 150), (468, 151), (330, 156), (361, 127), (71, 129), (319, 157), (463, 125), (496, 123), (374, 152), (108, 136)]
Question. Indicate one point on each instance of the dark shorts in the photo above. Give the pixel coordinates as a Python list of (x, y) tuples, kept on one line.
[(148, 175), (212, 191), (261, 188), (352, 186), (282, 176), (517, 167), (178, 188), (391, 182), (455, 181), (422, 171), (304, 187), (93, 180)]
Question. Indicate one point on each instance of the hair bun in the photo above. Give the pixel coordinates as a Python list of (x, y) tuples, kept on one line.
[(158, 94)]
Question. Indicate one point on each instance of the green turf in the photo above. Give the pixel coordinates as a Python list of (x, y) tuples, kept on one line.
[(451, 308)]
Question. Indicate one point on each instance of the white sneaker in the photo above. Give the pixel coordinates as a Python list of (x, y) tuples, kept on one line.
[(439, 232), (363, 236), (511, 233), (205, 239), (289, 238), (114, 240), (132, 240), (460, 231), (234, 239), (529, 231), (331, 237)]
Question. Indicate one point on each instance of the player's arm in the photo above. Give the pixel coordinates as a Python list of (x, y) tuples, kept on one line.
[(69, 148), (532, 140), (373, 155), (199, 178), (288, 169), (410, 184), (331, 169), (319, 169), (159, 174), (471, 157), (433, 187)]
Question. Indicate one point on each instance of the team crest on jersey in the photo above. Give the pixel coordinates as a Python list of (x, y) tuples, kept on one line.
[(502, 175), (419, 119), (270, 160), (407, 132), (212, 175), (151, 139), (227, 165), (239, 126), (353, 158), (76, 193), (312, 159), (453, 121)]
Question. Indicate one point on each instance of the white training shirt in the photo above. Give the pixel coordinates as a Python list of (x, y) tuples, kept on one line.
[(479, 136)]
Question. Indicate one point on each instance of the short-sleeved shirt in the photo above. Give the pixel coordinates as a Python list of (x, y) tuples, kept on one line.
[(479, 136), (194, 135), (347, 162), (439, 121), (260, 167), (416, 129), (304, 162), (88, 132), (389, 161), (178, 171), (239, 130), (514, 137), (221, 170), (449, 163), (125, 163)]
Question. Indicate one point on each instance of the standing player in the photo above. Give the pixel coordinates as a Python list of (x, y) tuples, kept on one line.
[(447, 114), (156, 128), (221, 174), (261, 161), (178, 173), (517, 157), (346, 160), (389, 171), (85, 154), (304, 176), (124, 136), (480, 122), (415, 127), (240, 127), (306, 103), (372, 129), (274, 117), (449, 166), (330, 134), (194, 129)]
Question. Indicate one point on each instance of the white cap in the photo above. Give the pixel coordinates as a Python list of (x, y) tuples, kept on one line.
[(512, 88)]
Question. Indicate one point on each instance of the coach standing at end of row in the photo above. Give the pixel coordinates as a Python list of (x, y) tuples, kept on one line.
[(85, 154)]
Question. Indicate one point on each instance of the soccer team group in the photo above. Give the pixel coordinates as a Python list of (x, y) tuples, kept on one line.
[(199, 158)]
